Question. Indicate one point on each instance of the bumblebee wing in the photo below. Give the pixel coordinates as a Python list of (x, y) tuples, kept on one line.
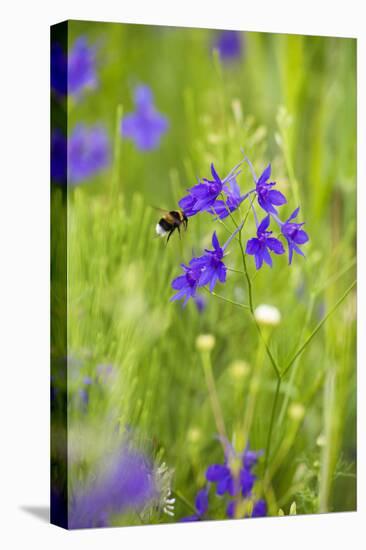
[(162, 210)]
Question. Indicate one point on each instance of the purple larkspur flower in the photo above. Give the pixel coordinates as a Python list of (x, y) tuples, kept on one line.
[(186, 284), (88, 152), (268, 198), (222, 209), (201, 506), (81, 67), (211, 265), (146, 125), (235, 475), (260, 246), (126, 481), (203, 195), (58, 157), (229, 45), (294, 235)]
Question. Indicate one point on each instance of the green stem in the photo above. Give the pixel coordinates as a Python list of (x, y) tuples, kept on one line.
[(235, 271), (237, 304), (271, 424), (182, 498), (211, 388)]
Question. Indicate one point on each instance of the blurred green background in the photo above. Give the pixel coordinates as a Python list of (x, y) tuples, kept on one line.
[(289, 100)]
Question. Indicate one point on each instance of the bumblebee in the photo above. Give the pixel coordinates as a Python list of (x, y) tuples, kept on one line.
[(170, 222)]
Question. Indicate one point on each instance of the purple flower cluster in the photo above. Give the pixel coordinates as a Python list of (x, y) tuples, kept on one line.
[(146, 125), (201, 271), (126, 481), (221, 198), (204, 196), (234, 478)]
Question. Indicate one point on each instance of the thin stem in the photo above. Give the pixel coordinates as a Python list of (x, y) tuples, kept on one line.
[(250, 295), (271, 424), (183, 499), (235, 271), (238, 304), (228, 209), (215, 403), (117, 150), (316, 329)]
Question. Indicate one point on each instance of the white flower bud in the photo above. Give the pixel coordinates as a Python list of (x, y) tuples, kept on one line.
[(267, 315)]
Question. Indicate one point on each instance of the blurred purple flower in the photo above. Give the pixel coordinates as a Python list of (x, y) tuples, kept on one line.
[(229, 45), (200, 302), (260, 246), (235, 475), (105, 373), (146, 125), (58, 69), (84, 393), (201, 506), (58, 157), (294, 235), (126, 481), (76, 73), (88, 153), (259, 509), (81, 67)]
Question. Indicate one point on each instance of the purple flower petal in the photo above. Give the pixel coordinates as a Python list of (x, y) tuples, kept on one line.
[(275, 245), (253, 246), (217, 472), (201, 502), (264, 176), (276, 197), (263, 226)]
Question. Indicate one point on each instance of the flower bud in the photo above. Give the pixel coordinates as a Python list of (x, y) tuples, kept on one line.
[(205, 342), (267, 315), (239, 369)]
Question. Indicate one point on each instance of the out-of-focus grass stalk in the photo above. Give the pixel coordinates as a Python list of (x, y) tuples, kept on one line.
[(335, 397), (316, 329), (211, 388), (254, 387), (115, 180), (293, 429), (283, 140)]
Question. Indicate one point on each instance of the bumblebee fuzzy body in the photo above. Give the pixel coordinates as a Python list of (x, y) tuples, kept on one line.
[(170, 222)]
